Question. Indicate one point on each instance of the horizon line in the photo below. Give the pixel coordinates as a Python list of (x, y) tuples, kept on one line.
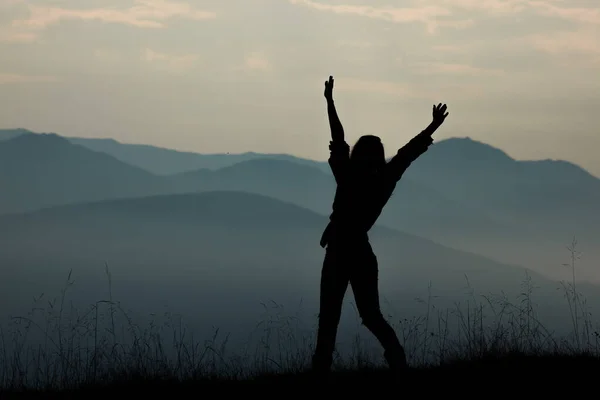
[(108, 138)]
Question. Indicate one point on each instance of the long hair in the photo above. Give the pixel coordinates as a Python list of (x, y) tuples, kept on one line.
[(368, 153)]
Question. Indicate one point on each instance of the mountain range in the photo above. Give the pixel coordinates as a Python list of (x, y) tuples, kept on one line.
[(462, 193)]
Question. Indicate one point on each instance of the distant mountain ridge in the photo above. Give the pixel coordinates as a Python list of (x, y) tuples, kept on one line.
[(463, 193), (162, 161), (47, 169), (156, 159)]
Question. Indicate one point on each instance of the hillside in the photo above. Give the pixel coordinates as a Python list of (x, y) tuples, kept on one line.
[(471, 174), (477, 174), (301, 184), (45, 170), (228, 248), (163, 161), (414, 207), (463, 193)]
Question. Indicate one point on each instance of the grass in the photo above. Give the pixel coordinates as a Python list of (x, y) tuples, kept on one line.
[(57, 349)]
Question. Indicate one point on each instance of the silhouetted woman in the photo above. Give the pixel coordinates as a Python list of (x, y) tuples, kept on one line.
[(365, 182)]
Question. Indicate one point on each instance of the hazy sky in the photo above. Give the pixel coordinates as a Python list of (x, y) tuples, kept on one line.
[(240, 75)]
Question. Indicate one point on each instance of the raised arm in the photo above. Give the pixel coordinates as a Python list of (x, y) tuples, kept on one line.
[(339, 151), (439, 116), (417, 145), (337, 130)]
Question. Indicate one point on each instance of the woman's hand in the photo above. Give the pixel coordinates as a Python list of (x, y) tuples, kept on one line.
[(439, 113), (329, 89)]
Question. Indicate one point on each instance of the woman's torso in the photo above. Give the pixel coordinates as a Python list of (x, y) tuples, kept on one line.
[(357, 204)]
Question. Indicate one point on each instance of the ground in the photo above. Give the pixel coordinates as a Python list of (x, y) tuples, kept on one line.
[(485, 377)]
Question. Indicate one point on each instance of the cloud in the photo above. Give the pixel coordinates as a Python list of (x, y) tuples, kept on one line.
[(359, 44), (253, 62), (555, 8), (435, 14), (172, 63), (454, 69), (10, 3), (6, 79), (431, 16), (142, 14), (559, 28), (546, 8), (11, 35), (582, 15), (419, 92), (107, 57), (489, 6), (257, 61), (567, 42), (378, 86), (449, 48)]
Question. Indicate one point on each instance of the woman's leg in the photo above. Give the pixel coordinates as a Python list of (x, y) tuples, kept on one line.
[(334, 281), (364, 281)]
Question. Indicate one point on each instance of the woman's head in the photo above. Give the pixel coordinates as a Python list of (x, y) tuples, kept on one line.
[(368, 153)]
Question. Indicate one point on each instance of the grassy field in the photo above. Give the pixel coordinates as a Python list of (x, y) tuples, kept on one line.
[(488, 375), (101, 350)]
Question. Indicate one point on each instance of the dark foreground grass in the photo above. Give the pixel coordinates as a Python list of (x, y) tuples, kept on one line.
[(476, 349), (482, 377)]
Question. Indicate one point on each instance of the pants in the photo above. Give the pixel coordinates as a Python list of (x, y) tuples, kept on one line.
[(354, 264)]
